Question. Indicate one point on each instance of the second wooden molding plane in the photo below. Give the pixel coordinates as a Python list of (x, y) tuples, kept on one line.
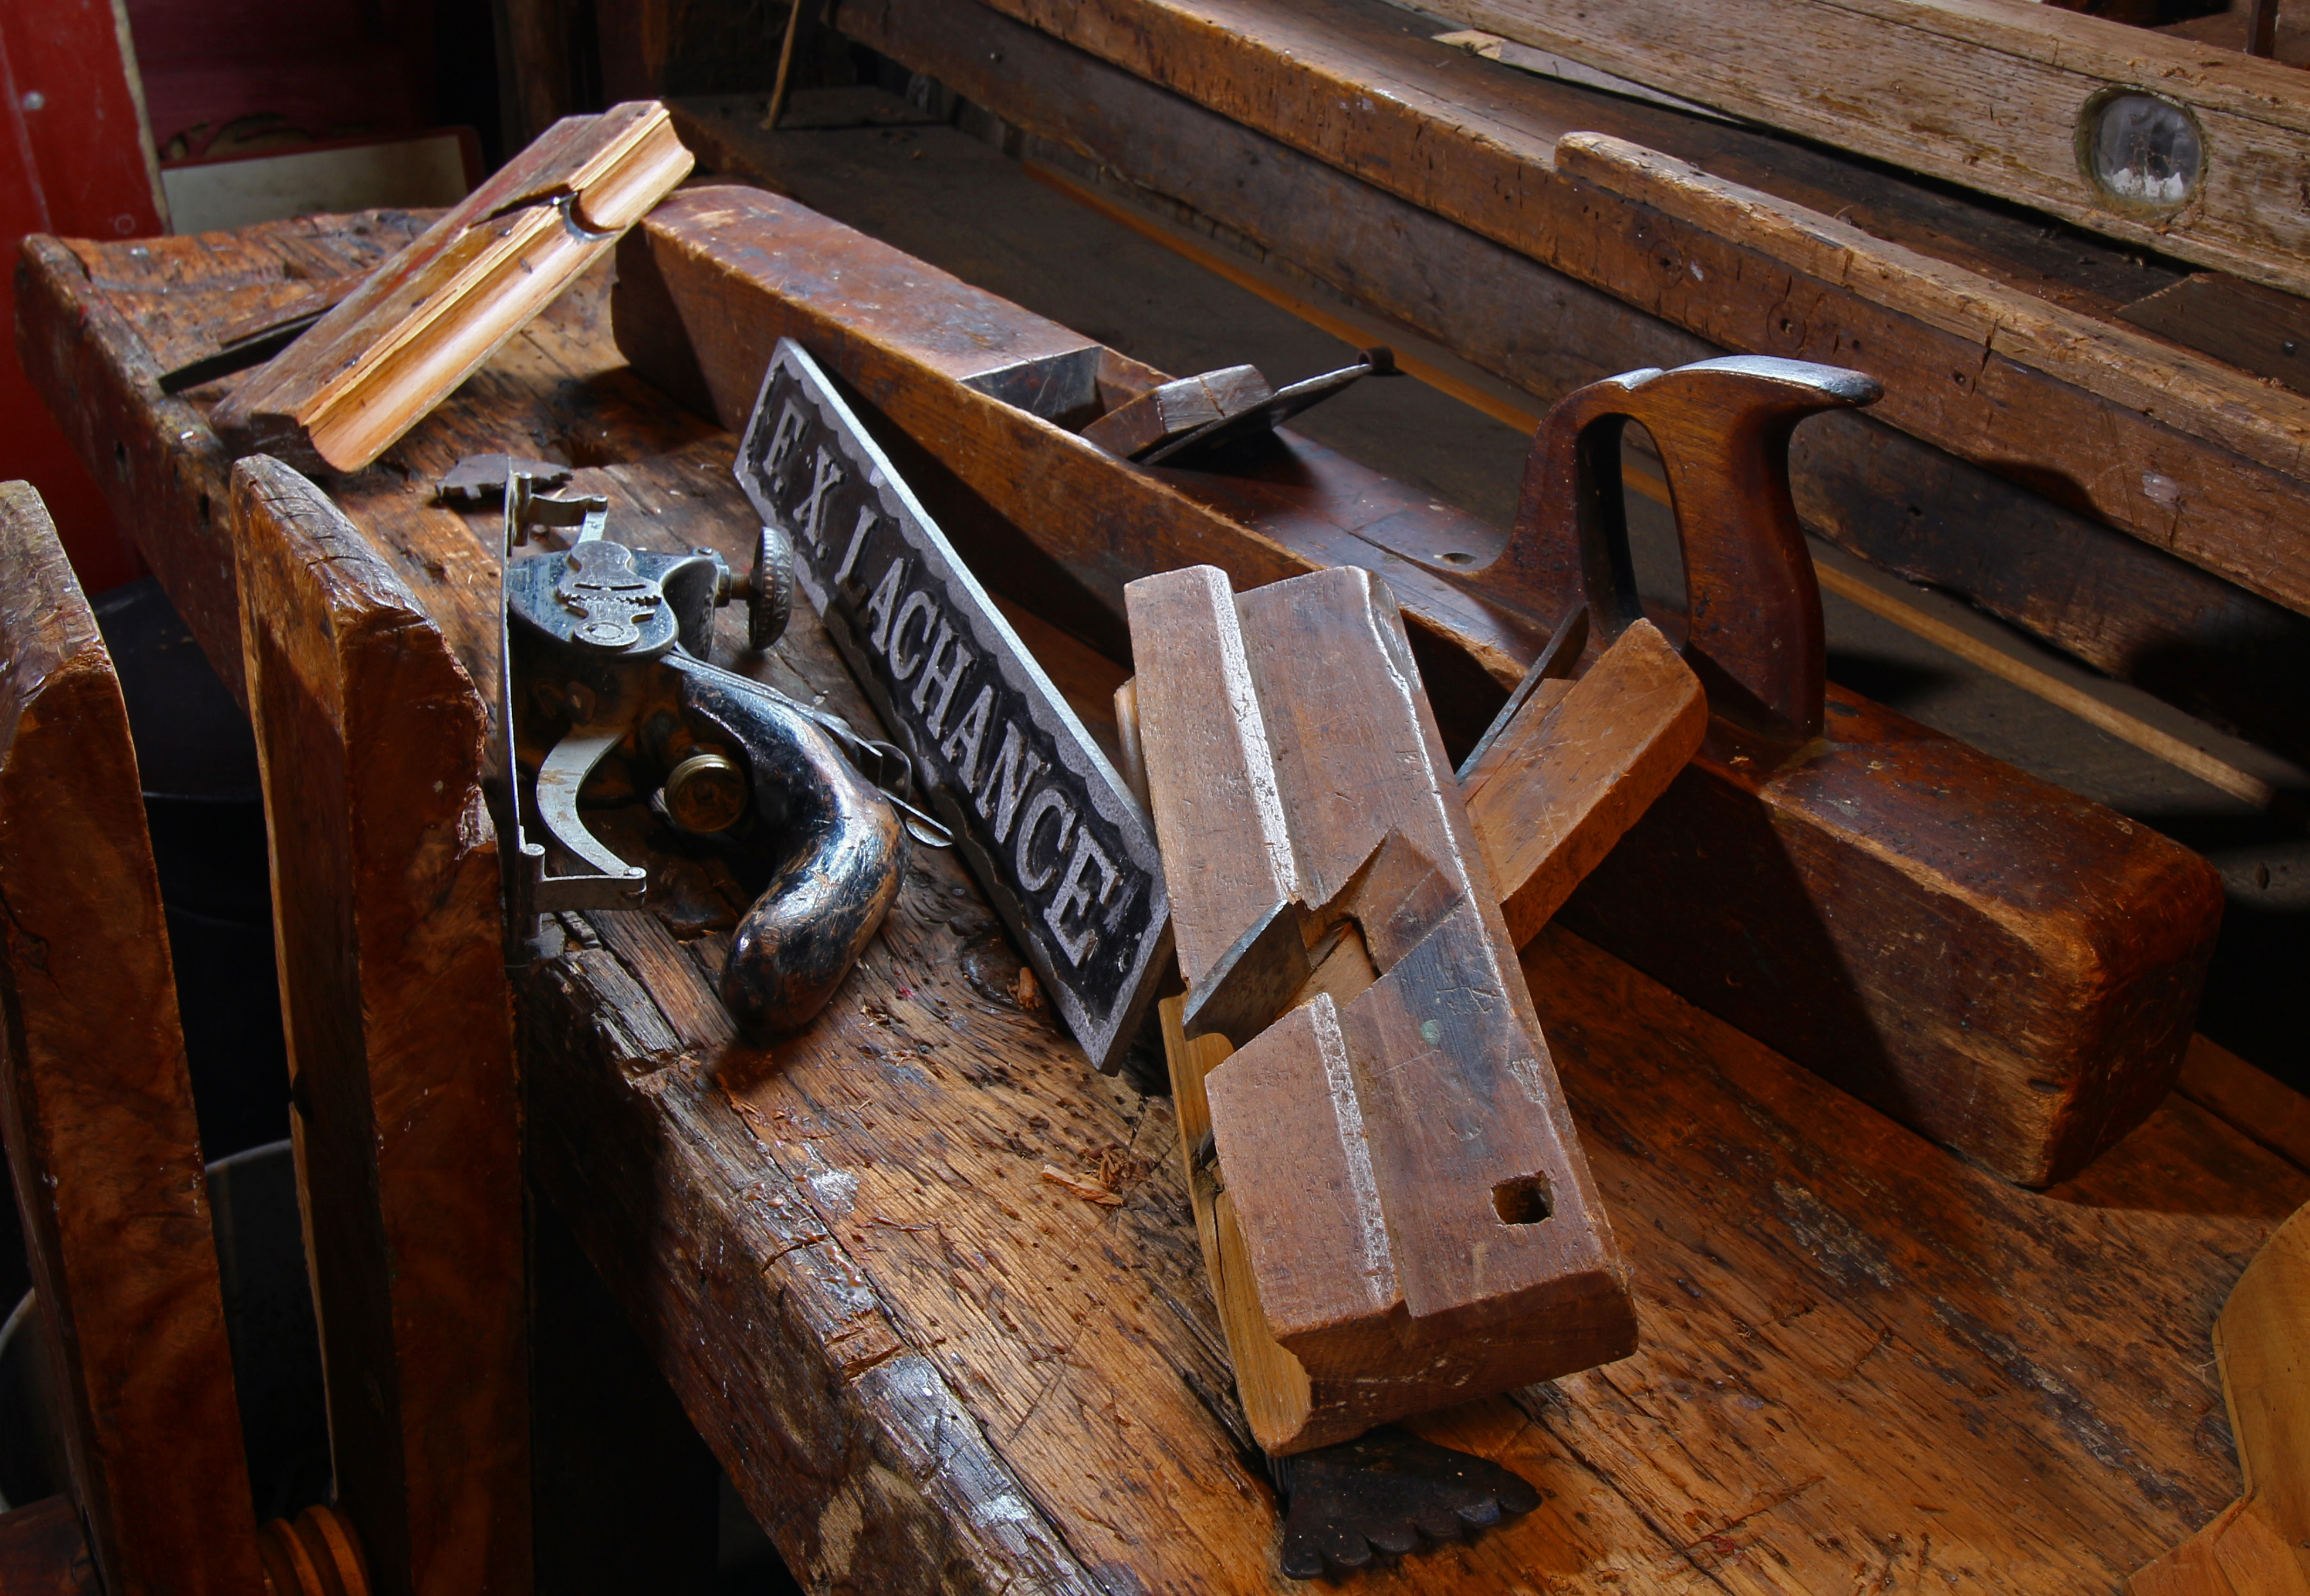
[(366, 372)]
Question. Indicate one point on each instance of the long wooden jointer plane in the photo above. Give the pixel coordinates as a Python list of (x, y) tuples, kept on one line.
[(2008, 967)]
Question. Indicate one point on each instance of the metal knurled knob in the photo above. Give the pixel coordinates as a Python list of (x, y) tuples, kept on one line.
[(769, 589)]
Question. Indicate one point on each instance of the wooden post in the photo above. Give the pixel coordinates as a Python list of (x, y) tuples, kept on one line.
[(1408, 1198), (98, 1107), (385, 907)]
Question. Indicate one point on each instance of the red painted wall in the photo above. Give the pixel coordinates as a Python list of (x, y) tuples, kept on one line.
[(73, 160)]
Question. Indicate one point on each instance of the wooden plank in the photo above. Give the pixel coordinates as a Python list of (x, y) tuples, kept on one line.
[(1551, 797), (2122, 604), (370, 368), (370, 736), (691, 310), (2172, 478), (1417, 1220), (98, 1107), (858, 1283), (1904, 81)]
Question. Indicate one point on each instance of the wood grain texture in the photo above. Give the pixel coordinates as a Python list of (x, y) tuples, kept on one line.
[(97, 1105), (2254, 328), (1568, 777), (845, 1257), (2018, 548), (366, 372), (385, 907), (1902, 79), (1294, 70)]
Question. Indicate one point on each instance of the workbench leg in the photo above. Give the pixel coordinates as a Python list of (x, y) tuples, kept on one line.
[(407, 1110)]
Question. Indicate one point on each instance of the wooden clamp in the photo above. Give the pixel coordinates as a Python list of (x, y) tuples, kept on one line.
[(1414, 1210), (426, 319), (407, 1118), (97, 1108)]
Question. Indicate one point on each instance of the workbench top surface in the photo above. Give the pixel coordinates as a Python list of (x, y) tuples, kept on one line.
[(926, 1364)]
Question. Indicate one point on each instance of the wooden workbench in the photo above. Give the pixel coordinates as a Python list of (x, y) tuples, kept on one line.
[(927, 1367)]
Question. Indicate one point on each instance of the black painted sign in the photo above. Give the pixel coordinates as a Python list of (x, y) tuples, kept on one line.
[(1064, 849)]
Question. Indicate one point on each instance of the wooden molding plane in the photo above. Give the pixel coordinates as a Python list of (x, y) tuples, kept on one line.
[(387, 913), (2260, 1545), (373, 367), (2162, 141), (1417, 1221), (2003, 966), (97, 1108)]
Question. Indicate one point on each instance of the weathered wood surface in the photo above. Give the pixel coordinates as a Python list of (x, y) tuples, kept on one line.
[(386, 902), (1441, 129), (2019, 549), (1418, 1223), (1882, 77), (424, 319), (846, 1257), (97, 1106)]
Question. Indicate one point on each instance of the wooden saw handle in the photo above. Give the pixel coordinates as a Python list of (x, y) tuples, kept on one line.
[(1723, 430)]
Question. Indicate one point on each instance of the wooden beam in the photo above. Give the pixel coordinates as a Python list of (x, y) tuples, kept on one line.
[(1568, 777), (2123, 603), (385, 908), (2002, 95), (426, 319), (97, 1106), (1411, 118)]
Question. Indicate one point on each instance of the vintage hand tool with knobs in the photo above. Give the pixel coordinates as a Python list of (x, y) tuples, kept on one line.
[(1417, 1221), (2007, 967), (608, 655)]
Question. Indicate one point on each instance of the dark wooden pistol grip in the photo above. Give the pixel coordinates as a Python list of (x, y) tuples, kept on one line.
[(839, 851), (1722, 427)]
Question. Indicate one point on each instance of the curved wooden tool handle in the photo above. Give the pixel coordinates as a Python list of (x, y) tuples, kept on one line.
[(1723, 430), (841, 853)]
